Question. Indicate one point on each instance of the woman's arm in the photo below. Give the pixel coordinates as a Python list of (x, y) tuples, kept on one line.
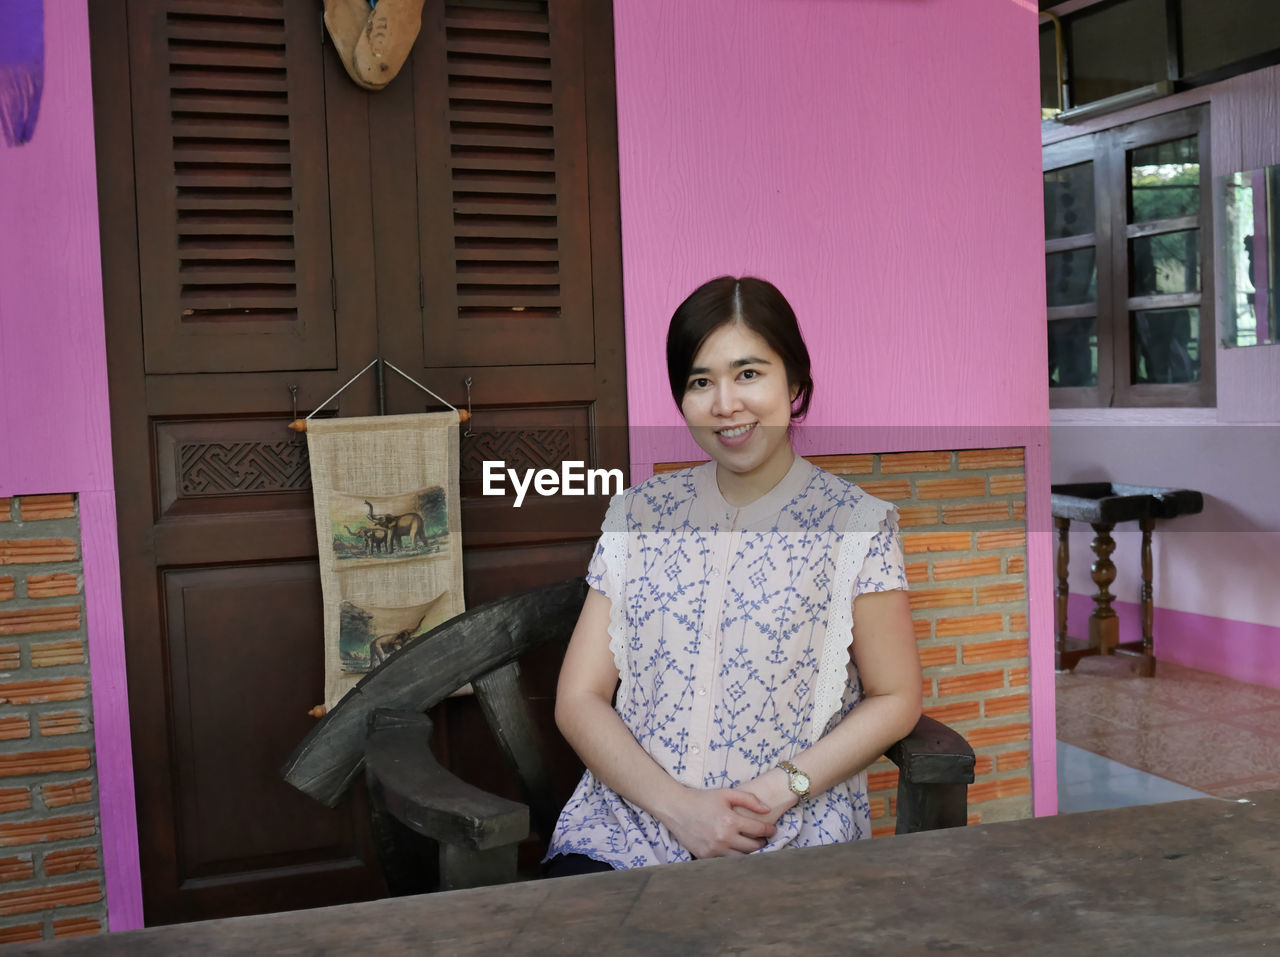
[(884, 650), (705, 822)]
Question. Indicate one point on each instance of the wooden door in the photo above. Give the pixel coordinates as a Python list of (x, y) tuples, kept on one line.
[(268, 226)]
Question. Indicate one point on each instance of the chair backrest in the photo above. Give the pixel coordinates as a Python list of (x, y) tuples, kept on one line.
[(482, 648)]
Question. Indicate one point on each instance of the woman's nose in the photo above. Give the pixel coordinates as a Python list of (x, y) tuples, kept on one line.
[(725, 399)]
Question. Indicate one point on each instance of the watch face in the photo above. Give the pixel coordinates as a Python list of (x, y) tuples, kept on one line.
[(800, 783)]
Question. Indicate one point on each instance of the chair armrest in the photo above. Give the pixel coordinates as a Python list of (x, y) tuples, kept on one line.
[(933, 754), (427, 798)]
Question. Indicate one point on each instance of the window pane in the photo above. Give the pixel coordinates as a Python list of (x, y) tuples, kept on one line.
[(1073, 352), (1048, 69), (1164, 180), (1215, 33), (1068, 201), (1165, 345), (1169, 263), (1117, 48), (1071, 277)]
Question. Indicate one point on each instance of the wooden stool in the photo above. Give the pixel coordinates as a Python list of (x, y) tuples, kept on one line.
[(1103, 505)]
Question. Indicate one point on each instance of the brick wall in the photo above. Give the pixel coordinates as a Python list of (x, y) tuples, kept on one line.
[(963, 520), (51, 880)]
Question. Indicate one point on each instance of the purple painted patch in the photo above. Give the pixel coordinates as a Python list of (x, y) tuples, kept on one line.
[(21, 68)]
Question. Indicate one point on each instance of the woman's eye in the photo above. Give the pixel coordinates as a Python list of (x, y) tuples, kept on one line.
[(749, 373), (699, 383)]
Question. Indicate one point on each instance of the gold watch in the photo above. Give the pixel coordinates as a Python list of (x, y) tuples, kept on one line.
[(797, 780)]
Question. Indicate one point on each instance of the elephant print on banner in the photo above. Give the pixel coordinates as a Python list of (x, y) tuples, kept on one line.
[(381, 528)]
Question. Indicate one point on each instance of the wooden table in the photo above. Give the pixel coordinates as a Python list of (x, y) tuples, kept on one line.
[(1194, 877)]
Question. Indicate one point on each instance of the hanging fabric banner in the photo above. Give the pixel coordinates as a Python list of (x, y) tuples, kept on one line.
[(387, 523)]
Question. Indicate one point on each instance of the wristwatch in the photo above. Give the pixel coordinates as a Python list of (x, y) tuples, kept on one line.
[(797, 780)]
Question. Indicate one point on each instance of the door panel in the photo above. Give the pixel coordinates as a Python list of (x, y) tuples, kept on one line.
[(265, 234)]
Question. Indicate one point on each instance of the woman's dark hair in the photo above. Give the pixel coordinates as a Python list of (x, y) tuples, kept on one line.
[(759, 306)]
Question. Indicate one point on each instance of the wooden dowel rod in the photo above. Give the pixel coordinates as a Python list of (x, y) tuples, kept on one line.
[(300, 425)]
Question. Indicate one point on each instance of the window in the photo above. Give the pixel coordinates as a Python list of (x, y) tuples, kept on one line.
[(1127, 265)]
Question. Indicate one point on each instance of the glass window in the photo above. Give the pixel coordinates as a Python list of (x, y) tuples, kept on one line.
[(1216, 33), (1071, 277), (1164, 180), (1116, 48), (1068, 201), (1166, 345), (1165, 264), (1073, 352)]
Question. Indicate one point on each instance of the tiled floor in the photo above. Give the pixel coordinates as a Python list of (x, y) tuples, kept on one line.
[(1194, 732)]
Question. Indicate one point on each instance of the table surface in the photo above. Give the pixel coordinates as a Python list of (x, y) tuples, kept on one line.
[(1194, 877)]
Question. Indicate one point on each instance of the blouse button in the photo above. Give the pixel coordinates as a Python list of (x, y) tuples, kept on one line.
[(693, 749), (702, 692)]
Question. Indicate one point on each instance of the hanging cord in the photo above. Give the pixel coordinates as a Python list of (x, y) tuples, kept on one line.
[(300, 425)]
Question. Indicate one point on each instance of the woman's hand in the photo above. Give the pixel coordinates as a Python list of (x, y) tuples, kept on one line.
[(772, 788), (719, 822)]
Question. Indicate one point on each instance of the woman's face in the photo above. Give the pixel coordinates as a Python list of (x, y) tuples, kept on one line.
[(737, 404)]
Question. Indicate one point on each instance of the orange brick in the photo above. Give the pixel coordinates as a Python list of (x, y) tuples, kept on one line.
[(982, 764), (1019, 511), (16, 868), (10, 657), (917, 515), (76, 927), (920, 542), (1018, 677), (1002, 538), (35, 508), (1016, 564), (994, 650), (951, 487), (998, 734), (52, 586), (990, 458), (920, 627), (882, 780), (1007, 484), (970, 625), (887, 831), (940, 598), (6, 589), (897, 462), (966, 568), (1018, 621), (843, 464), (26, 621), (43, 762), (50, 653), (1008, 591), (891, 490), (71, 860), (51, 895), (32, 551), (973, 820), (661, 468), (14, 799), (917, 572), (22, 934), (14, 728), (36, 692), (5, 504), (47, 829), (878, 808), (959, 711), (63, 722), (969, 683), (1011, 760), (1009, 704), (975, 512), (999, 788), (926, 688), (941, 655), (60, 795)]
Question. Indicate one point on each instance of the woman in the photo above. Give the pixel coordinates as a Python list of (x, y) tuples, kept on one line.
[(716, 686)]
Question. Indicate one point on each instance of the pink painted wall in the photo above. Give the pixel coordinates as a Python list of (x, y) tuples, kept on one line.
[(54, 433), (879, 161)]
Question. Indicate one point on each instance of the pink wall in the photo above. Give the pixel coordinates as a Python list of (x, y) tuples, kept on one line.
[(54, 433), (879, 161)]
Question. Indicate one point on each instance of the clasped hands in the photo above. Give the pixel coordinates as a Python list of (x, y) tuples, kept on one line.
[(723, 822)]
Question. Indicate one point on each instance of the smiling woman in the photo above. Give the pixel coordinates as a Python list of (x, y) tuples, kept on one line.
[(713, 686)]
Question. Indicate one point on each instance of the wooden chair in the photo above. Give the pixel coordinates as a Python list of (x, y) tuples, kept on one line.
[(381, 727)]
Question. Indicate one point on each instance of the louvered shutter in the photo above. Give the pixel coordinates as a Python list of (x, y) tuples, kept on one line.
[(503, 184), (233, 213)]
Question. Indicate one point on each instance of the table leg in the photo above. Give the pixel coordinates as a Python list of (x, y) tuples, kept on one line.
[(1104, 626), (1147, 667), (1060, 594)]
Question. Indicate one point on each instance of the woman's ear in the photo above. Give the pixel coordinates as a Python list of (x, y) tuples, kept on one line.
[(795, 391)]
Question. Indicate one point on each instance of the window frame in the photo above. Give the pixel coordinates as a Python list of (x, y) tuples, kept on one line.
[(1108, 150)]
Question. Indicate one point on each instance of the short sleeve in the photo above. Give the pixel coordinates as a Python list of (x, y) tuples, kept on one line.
[(604, 570), (883, 569)]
